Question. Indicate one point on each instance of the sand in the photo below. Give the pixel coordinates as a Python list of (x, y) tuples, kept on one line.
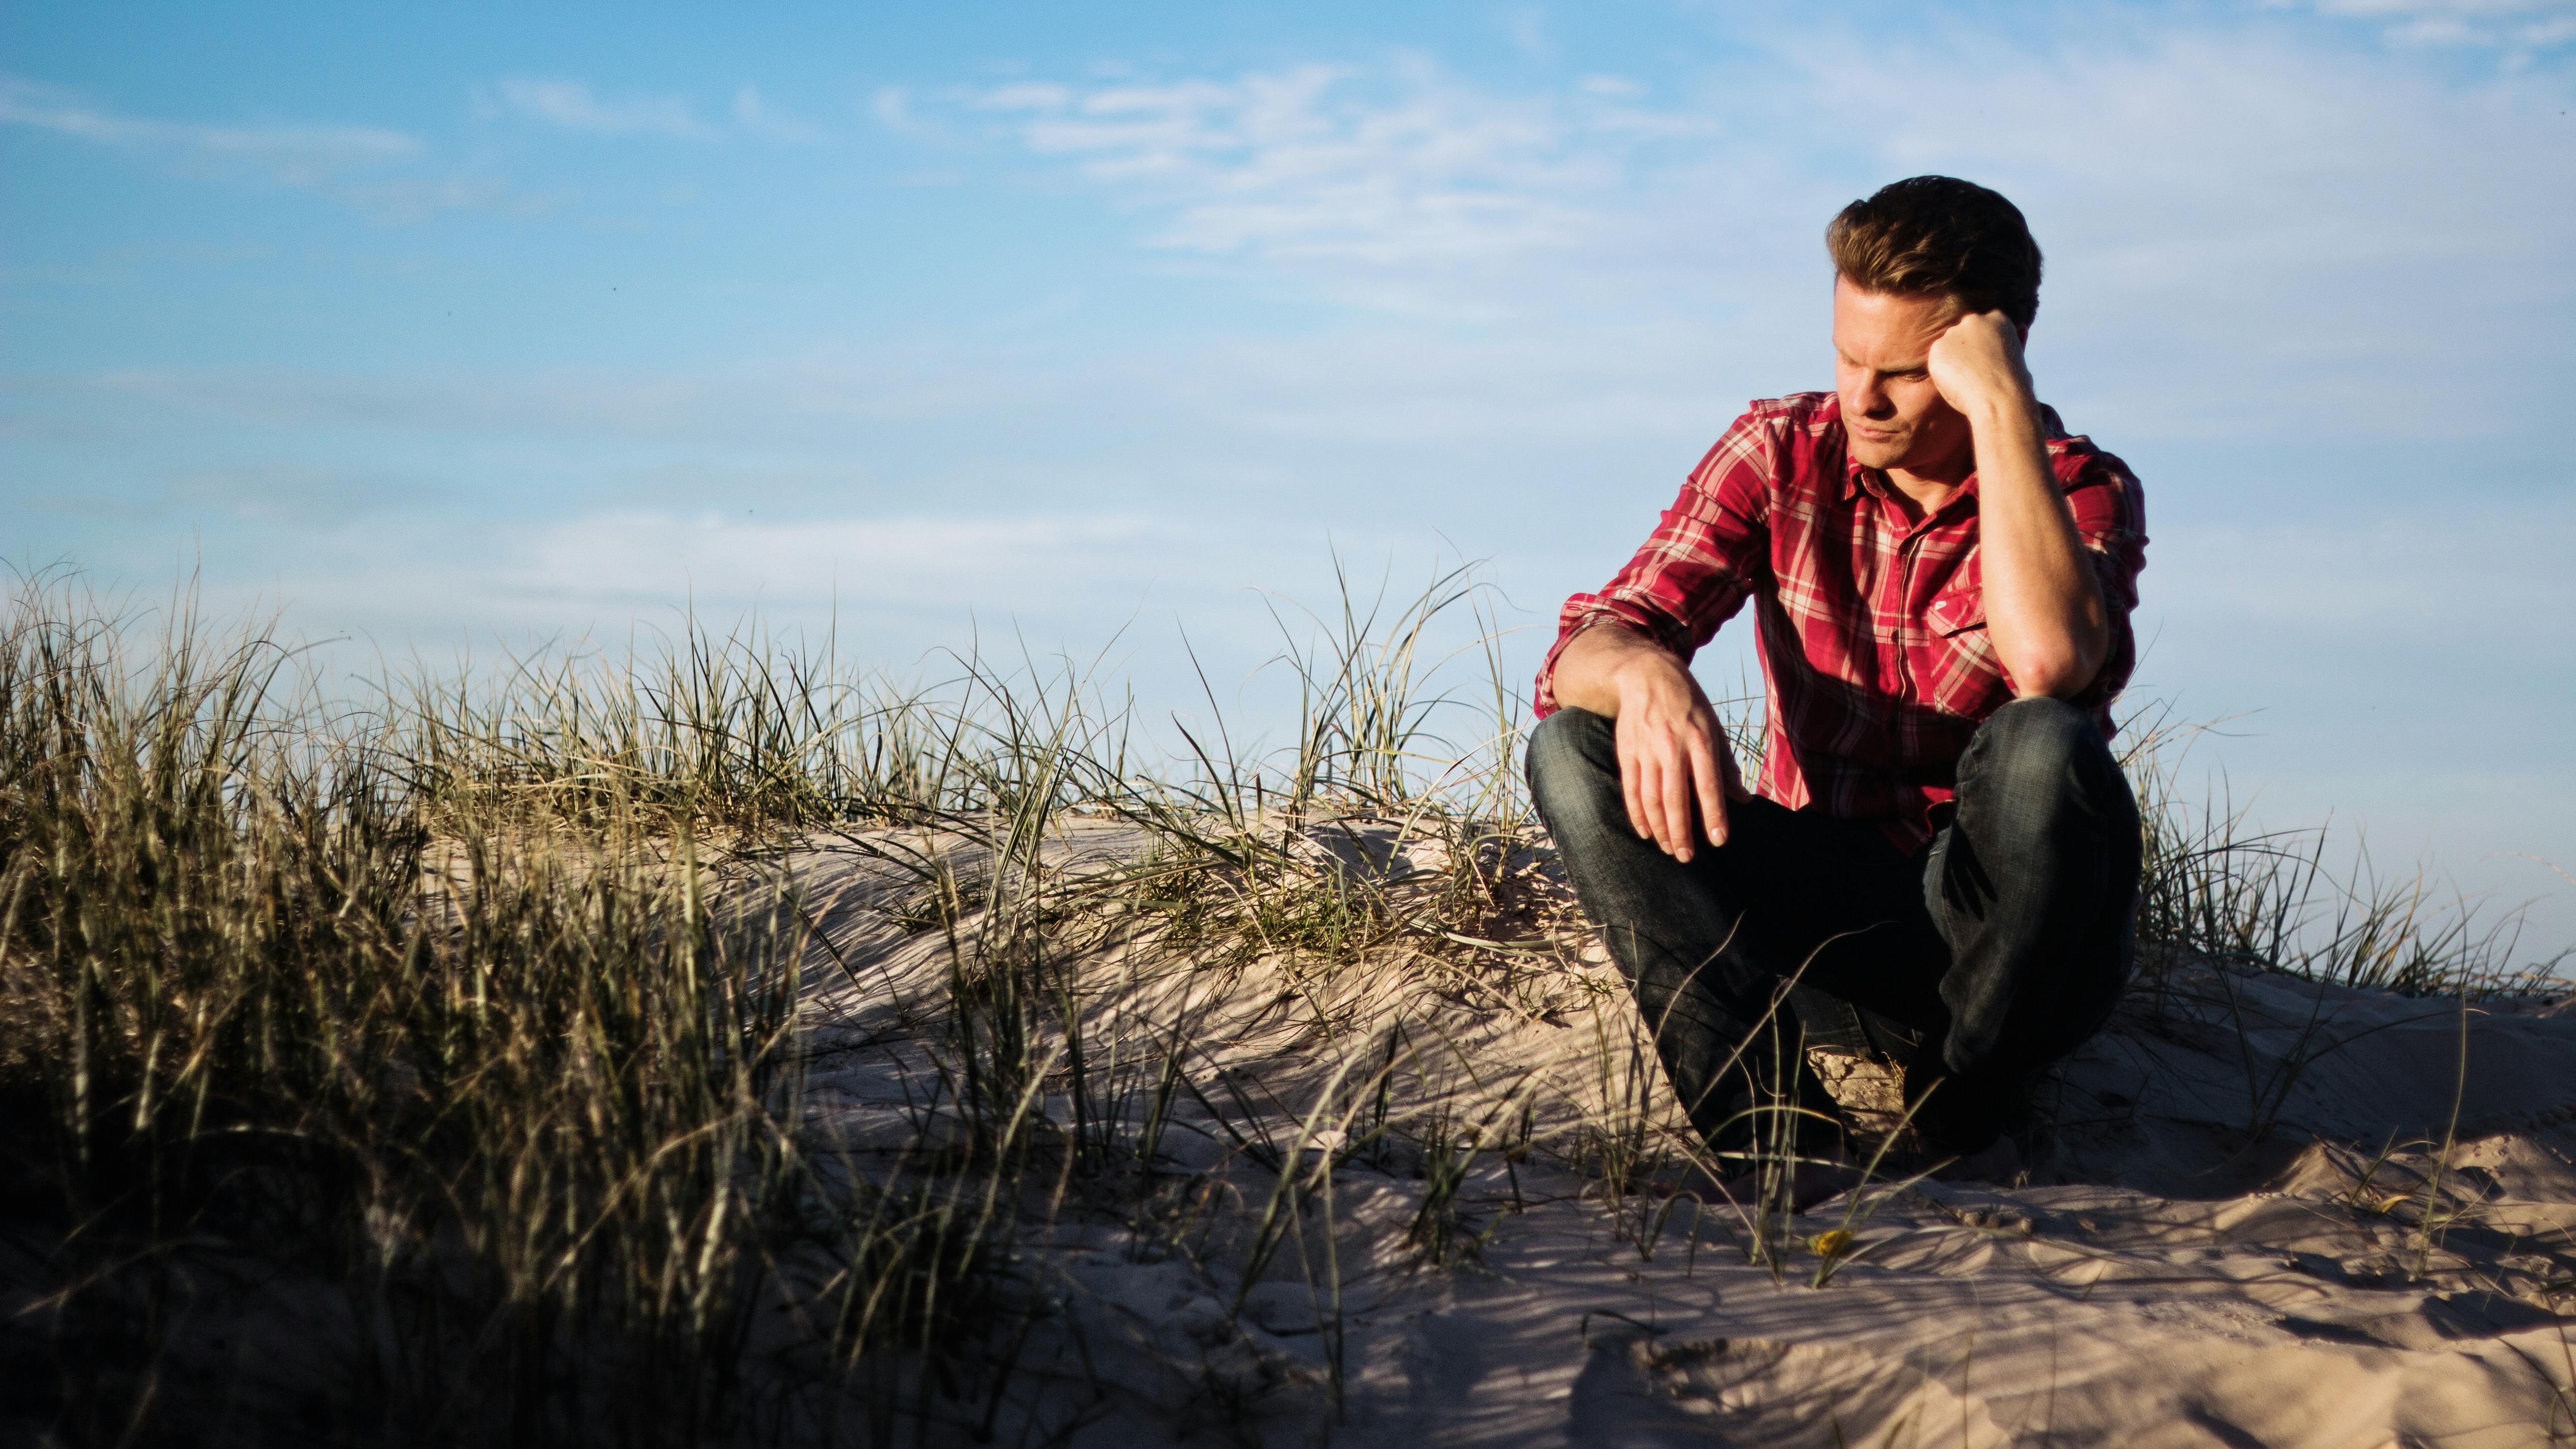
[(2268, 1212)]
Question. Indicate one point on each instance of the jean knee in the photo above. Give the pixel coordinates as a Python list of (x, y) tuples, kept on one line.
[(1571, 741), (2036, 741), (1569, 754), (2042, 722)]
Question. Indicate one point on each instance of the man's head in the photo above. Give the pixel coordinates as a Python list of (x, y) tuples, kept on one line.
[(1908, 262)]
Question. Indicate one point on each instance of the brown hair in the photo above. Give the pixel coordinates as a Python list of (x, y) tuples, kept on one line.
[(1939, 236)]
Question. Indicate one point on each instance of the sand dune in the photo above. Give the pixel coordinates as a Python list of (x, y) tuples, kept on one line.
[(2268, 1212)]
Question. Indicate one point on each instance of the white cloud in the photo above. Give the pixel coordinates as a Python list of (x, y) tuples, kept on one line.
[(824, 395), (2443, 9), (308, 156), (1526, 27), (2275, 237), (273, 494), (2241, 231), (347, 163), (896, 587), (1388, 384), (1023, 97), (2243, 239), (758, 118), (2513, 25), (572, 105), (1400, 166), (403, 202), (1002, 564), (293, 495), (892, 106)]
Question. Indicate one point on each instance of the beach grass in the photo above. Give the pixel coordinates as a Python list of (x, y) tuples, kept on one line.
[(438, 1066)]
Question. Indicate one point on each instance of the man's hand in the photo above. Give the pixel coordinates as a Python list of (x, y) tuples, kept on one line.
[(2044, 611), (1978, 365), (1673, 754)]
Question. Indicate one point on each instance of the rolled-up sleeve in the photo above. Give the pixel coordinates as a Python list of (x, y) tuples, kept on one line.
[(1696, 569), (2111, 517)]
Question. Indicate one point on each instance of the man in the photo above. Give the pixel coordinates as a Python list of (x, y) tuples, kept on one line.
[(1939, 858)]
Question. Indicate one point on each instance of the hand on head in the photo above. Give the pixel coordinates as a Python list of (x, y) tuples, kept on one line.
[(1978, 360)]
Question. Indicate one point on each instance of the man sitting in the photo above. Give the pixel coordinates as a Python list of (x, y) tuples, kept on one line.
[(1939, 851)]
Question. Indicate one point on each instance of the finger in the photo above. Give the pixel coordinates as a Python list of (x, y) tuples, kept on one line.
[(1708, 779), (1677, 805), (1632, 781), (1650, 796)]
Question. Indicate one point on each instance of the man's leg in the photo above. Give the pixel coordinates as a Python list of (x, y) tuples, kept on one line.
[(1706, 944), (2034, 885)]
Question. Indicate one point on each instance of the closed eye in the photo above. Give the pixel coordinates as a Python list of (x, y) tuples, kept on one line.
[(1915, 373)]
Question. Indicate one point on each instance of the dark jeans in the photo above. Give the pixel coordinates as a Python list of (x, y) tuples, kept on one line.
[(1977, 961)]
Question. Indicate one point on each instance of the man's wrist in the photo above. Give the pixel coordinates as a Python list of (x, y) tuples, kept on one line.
[(1616, 639), (2013, 406), (1648, 672)]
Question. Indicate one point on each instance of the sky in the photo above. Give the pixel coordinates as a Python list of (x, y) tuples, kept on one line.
[(1110, 326)]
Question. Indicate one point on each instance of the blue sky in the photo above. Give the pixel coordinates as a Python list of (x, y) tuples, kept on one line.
[(438, 324)]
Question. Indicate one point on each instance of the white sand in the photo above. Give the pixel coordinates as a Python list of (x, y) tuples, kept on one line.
[(2205, 1255)]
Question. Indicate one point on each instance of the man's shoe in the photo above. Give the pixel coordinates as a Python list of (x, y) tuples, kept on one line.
[(1999, 1164), (1961, 1116)]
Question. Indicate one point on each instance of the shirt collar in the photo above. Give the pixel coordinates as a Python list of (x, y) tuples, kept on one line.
[(1858, 480)]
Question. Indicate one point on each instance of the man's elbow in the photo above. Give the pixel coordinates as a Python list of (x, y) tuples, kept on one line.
[(2054, 673)]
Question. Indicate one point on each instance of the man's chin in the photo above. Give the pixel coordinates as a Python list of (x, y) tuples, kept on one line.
[(1877, 455)]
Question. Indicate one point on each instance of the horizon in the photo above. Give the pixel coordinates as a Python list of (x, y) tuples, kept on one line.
[(440, 330)]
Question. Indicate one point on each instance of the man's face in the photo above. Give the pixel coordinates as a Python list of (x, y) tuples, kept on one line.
[(1894, 415)]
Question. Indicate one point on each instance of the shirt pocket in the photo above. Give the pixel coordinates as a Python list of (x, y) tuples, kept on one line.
[(1957, 611), (1967, 679)]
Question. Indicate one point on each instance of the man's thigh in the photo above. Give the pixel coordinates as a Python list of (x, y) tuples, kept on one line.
[(1833, 904)]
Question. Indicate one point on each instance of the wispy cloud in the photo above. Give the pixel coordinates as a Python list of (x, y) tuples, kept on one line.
[(359, 166), (293, 494), (307, 156), (1016, 562), (572, 105), (1526, 27), (290, 495), (404, 201), (2240, 229), (892, 107), (1391, 167), (2511, 25), (757, 117), (897, 585), (835, 396), (2270, 232), (1389, 384)]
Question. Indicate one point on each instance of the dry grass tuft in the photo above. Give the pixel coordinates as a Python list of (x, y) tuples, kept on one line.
[(448, 1071)]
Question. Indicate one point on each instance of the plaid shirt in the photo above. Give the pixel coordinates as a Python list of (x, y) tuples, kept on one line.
[(1871, 626)]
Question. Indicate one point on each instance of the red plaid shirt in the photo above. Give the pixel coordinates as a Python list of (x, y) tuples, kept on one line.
[(1871, 626)]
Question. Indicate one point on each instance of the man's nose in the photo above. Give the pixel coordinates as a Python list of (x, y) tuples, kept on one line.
[(1874, 401)]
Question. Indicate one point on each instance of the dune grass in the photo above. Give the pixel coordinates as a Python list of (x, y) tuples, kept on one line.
[(460, 1114), (2218, 887), (431, 1069)]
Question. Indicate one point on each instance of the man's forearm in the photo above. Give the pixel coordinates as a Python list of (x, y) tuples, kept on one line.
[(1587, 672), (2044, 611), (1674, 768)]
